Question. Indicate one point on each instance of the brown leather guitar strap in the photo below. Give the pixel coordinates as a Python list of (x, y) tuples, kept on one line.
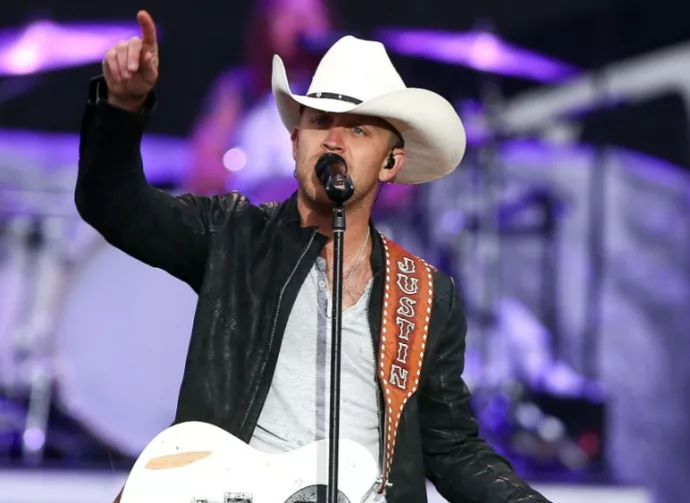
[(407, 301)]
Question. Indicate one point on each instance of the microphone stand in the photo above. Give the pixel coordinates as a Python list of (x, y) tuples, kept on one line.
[(339, 189)]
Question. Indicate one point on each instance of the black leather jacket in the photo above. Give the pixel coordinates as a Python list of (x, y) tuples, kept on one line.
[(247, 264)]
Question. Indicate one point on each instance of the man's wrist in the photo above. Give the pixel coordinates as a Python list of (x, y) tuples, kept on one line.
[(99, 93), (135, 105)]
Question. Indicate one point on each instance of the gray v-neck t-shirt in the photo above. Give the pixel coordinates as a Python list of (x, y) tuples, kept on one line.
[(298, 403)]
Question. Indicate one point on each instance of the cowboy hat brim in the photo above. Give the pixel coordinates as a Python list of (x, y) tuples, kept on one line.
[(434, 135)]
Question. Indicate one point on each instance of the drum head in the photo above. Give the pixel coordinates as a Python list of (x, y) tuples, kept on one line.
[(121, 346)]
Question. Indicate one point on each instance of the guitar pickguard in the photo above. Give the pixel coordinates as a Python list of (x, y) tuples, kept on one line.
[(314, 494)]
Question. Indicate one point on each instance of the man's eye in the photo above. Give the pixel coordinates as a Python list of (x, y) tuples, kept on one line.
[(358, 130)]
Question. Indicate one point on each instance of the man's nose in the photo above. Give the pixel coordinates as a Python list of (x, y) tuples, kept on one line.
[(334, 141)]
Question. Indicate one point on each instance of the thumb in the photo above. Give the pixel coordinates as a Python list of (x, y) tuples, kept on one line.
[(148, 66)]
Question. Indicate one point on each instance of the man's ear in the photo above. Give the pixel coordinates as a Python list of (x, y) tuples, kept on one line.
[(392, 164), (294, 136)]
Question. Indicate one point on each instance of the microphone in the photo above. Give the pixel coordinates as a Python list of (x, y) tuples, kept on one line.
[(331, 170)]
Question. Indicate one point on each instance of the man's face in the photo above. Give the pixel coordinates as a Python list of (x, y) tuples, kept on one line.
[(364, 142)]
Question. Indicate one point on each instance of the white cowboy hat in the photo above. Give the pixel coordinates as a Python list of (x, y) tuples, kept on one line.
[(357, 76)]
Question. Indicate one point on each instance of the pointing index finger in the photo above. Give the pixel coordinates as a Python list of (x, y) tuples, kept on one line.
[(148, 28)]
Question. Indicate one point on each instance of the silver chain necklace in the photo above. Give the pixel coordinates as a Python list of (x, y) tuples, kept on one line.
[(359, 257)]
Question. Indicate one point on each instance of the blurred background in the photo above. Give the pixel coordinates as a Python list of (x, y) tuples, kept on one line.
[(568, 226)]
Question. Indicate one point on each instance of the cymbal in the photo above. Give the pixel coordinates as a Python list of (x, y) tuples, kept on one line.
[(46, 45), (479, 50)]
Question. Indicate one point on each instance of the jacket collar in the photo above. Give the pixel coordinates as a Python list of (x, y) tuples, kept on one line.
[(289, 210), (290, 216)]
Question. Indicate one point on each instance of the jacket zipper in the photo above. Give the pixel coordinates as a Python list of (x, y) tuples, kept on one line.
[(275, 320), (379, 392)]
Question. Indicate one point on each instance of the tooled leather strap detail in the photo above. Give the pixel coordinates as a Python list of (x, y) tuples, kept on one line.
[(407, 304)]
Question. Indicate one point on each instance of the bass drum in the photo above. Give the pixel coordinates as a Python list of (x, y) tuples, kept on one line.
[(121, 343)]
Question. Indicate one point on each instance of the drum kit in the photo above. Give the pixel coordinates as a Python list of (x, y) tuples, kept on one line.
[(82, 325), (76, 315)]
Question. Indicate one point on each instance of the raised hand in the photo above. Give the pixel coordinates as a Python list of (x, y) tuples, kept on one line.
[(131, 67)]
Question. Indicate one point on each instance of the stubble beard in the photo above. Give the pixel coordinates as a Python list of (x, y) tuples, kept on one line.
[(315, 196)]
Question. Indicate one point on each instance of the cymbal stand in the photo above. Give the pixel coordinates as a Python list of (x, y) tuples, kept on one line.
[(596, 238), (487, 244), (32, 338)]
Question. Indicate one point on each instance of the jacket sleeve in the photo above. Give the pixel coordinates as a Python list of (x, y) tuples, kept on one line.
[(462, 466), (113, 196)]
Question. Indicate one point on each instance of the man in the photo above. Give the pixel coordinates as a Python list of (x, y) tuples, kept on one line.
[(257, 361)]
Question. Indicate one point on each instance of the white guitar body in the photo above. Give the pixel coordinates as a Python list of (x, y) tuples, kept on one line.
[(198, 462)]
